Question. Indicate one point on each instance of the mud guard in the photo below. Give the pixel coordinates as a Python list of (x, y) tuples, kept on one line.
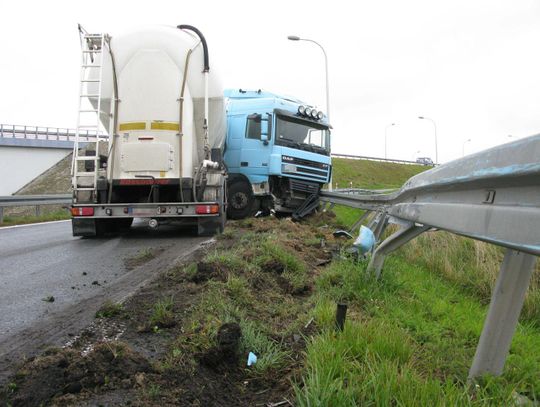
[(84, 227), (211, 226)]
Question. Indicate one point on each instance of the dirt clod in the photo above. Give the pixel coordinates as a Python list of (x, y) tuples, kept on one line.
[(68, 372), (226, 351), (207, 271)]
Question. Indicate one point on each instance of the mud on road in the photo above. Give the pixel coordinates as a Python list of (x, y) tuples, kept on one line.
[(183, 338)]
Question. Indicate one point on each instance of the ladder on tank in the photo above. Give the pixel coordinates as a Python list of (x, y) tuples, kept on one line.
[(84, 174)]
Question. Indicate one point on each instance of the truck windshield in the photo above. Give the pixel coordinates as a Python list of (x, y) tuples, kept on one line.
[(303, 135)]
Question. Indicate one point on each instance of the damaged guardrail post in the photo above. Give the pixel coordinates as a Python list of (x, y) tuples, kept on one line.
[(504, 309), (393, 242)]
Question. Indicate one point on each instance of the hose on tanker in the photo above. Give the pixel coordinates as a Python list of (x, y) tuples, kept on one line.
[(115, 118), (203, 40), (198, 195), (181, 122)]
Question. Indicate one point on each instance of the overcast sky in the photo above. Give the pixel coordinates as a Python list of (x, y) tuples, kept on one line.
[(471, 66)]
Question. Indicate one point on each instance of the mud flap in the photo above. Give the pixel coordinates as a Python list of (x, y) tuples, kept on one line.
[(84, 227), (210, 226)]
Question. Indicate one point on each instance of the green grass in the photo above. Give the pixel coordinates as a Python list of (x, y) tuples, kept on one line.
[(109, 309), (409, 340), (372, 174), (369, 175), (471, 265), (26, 219), (162, 313), (249, 294)]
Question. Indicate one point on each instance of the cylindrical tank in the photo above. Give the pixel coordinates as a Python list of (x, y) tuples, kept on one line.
[(150, 64)]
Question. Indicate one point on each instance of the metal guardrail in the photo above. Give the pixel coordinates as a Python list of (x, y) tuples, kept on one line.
[(43, 133), (362, 157), (32, 200), (493, 196)]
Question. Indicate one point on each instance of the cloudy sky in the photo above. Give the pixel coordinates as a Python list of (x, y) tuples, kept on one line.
[(473, 66)]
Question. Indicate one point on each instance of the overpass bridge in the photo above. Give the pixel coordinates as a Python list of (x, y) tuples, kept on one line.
[(28, 151)]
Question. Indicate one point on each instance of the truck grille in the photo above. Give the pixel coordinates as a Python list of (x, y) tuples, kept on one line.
[(308, 168), (304, 186)]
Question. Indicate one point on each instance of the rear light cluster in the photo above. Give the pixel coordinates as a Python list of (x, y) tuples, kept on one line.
[(206, 209), (82, 211)]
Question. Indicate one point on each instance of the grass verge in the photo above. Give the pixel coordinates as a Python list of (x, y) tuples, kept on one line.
[(409, 340), (27, 219)]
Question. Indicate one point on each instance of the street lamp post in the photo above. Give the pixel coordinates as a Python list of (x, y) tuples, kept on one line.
[(463, 147), (296, 38), (385, 137), (435, 127)]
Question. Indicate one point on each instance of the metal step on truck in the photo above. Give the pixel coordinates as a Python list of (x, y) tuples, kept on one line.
[(158, 116)]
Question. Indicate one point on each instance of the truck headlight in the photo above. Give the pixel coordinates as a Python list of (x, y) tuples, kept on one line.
[(301, 109), (308, 111), (320, 115)]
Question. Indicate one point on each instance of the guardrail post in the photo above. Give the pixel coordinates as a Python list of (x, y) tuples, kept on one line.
[(393, 242), (38, 210), (1, 215), (502, 318)]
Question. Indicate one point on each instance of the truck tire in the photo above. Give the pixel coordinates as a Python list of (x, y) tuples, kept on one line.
[(240, 201)]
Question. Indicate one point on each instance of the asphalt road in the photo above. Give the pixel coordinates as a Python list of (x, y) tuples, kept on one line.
[(43, 260)]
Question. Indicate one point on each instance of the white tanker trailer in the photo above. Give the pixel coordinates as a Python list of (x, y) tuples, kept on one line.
[(150, 132)]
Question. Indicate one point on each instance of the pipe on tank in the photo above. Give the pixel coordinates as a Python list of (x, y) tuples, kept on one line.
[(206, 69), (204, 44)]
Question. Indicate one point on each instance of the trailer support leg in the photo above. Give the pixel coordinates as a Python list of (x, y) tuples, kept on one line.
[(504, 309), (393, 242)]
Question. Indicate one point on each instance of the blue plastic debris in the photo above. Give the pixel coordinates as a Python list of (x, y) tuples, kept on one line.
[(252, 359), (365, 240)]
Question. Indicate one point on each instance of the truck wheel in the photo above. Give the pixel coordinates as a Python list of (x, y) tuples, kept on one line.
[(240, 201)]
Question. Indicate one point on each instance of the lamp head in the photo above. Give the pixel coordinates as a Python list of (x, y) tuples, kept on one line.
[(293, 38)]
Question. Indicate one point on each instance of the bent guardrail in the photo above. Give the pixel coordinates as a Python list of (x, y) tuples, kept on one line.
[(493, 196)]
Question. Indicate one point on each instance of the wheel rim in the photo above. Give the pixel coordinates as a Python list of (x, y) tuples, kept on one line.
[(239, 200)]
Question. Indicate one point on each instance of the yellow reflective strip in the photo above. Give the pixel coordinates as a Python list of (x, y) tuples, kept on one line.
[(164, 126), (132, 126)]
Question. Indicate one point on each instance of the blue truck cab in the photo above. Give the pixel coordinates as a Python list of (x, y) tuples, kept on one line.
[(277, 152)]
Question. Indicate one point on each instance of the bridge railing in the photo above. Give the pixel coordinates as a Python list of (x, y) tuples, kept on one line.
[(43, 133)]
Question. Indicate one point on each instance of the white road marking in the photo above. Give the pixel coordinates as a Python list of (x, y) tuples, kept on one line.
[(33, 224)]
